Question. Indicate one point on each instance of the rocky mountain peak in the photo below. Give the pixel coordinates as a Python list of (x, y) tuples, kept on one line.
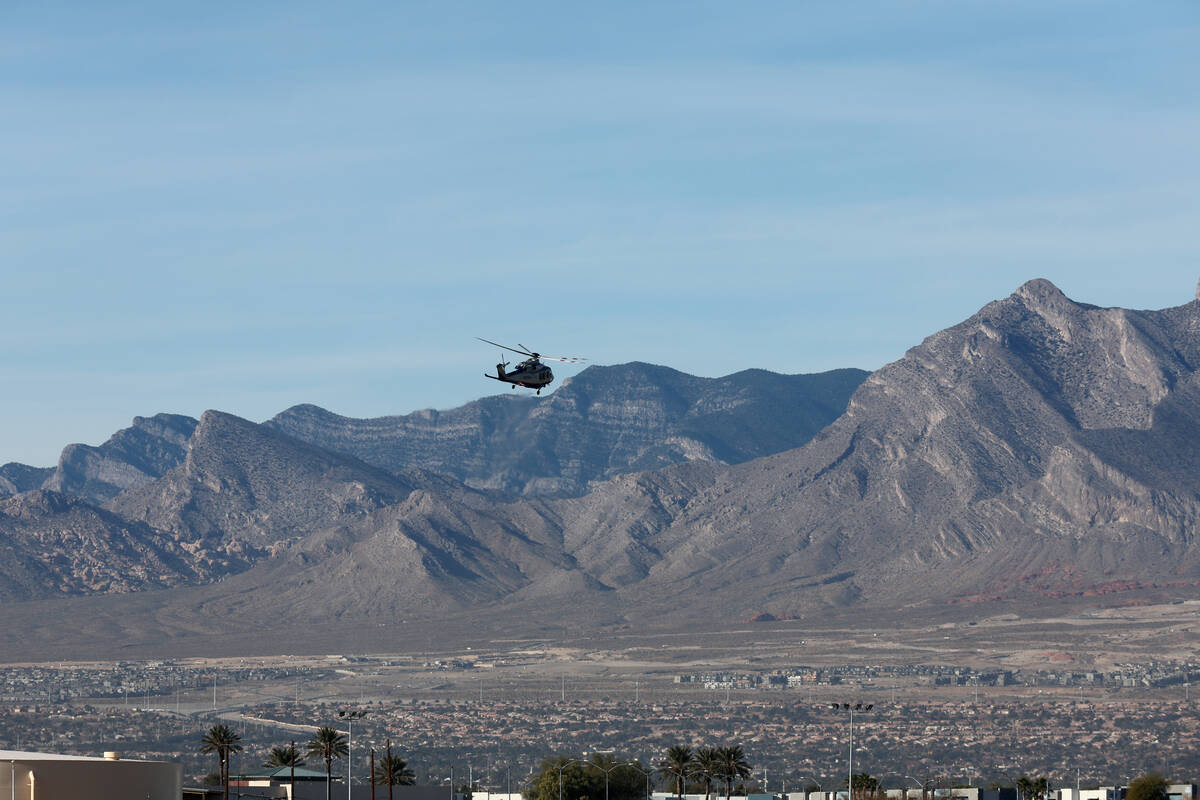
[(16, 478), (1037, 449), (1042, 292), (242, 482), (131, 457)]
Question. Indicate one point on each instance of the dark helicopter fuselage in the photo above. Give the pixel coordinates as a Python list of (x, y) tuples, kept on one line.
[(530, 373)]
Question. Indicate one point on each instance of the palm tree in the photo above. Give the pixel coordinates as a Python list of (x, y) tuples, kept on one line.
[(1031, 789), (732, 766), (393, 771), (221, 740), (677, 762), (707, 766), (864, 785), (327, 744), (284, 757)]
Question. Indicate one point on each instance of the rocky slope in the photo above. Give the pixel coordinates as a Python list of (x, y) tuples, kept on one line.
[(1040, 449), (605, 421), (52, 544), (228, 494), (244, 487), (131, 457)]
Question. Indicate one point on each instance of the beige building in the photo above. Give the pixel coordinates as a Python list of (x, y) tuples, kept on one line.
[(47, 776)]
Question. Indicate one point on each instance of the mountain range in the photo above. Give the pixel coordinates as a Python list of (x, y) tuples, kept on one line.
[(1040, 450), (233, 493)]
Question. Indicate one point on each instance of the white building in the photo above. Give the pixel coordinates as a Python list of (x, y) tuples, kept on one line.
[(48, 776), (1103, 793), (1175, 791)]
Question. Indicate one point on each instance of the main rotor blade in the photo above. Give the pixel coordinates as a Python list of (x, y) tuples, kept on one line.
[(564, 360), (504, 346)]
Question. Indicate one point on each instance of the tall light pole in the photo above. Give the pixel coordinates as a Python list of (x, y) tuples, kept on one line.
[(804, 787), (851, 708), (607, 772), (560, 768), (918, 783), (647, 773), (902, 778), (350, 716), (389, 769)]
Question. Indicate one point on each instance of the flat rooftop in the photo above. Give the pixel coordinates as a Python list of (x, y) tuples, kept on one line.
[(21, 755)]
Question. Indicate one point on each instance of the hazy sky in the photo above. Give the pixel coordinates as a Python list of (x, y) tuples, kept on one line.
[(245, 206)]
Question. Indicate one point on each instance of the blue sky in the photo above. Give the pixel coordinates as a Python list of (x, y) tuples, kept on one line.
[(245, 206)]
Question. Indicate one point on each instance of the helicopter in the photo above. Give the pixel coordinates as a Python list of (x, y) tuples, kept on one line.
[(530, 373)]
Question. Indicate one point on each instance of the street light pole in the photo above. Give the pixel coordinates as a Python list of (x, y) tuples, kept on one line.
[(606, 772), (350, 716), (647, 773), (560, 768), (388, 770), (914, 780), (851, 708), (804, 787)]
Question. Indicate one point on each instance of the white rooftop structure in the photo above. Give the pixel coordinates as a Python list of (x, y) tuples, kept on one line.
[(55, 776)]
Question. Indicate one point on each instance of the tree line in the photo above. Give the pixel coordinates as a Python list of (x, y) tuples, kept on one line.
[(327, 745), (600, 776)]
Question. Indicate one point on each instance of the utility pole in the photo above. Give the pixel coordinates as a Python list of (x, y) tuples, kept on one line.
[(389, 768)]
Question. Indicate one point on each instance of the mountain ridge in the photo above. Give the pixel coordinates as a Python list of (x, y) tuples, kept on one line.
[(1040, 449), (631, 417)]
